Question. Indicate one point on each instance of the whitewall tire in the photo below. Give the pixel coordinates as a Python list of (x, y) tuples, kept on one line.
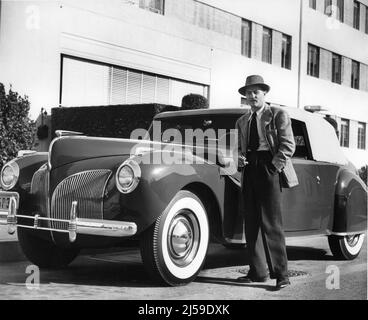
[(175, 247), (346, 247)]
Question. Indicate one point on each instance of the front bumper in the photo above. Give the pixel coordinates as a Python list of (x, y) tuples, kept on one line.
[(76, 225)]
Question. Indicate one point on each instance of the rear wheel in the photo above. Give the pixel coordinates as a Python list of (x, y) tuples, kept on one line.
[(174, 248), (43, 253), (346, 247)]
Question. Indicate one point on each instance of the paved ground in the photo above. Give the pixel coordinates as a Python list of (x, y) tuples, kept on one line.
[(4, 236), (122, 276)]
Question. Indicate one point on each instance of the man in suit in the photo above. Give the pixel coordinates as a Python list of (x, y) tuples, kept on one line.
[(265, 146)]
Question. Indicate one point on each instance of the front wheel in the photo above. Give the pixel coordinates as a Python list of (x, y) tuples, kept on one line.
[(174, 248), (43, 253), (346, 247)]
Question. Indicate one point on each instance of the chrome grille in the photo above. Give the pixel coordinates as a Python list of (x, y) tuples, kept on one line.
[(87, 188)]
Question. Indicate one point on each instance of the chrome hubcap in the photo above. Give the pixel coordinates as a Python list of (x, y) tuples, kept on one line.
[(183, 238), (352, 240)]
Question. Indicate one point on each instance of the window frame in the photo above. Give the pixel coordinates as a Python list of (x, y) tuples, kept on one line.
[(267, 56), (366, 19), (338, 79), (313, 71), (355, 81), (300, 130), (286, 58), (344, 132), (143, 4), (243, 40), (356, 15), (328, 8), (362, 126), (340, 8), (313, 4)]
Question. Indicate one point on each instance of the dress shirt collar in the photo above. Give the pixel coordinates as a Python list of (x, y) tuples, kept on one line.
[(259, 112)]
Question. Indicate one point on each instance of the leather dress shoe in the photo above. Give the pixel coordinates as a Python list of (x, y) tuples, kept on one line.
[(250, 279), (282, 283)]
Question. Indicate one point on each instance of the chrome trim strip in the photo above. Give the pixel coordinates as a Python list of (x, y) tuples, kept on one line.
[(41, 228), (66, 133), (106, 227), (345, 233), (109, 228)]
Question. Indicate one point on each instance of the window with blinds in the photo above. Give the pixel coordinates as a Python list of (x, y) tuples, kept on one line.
[(93, 84)]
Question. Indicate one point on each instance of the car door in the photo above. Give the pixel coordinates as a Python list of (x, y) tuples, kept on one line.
[(304, 206)]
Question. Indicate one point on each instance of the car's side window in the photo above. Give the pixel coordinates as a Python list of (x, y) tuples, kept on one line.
[(302, 149)]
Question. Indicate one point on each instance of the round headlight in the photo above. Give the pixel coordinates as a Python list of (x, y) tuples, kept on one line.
[(127, 176), (9, 175)]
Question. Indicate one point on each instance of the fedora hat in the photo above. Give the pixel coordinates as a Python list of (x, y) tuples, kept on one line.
[(253, 81)]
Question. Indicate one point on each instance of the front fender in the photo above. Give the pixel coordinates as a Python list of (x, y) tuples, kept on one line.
[(28, 165), (350, 214), (158, 186)]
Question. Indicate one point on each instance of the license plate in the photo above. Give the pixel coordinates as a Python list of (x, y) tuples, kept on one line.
[(4, 203)]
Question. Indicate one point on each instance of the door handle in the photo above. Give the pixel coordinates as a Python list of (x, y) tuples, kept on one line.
[(318, 179)]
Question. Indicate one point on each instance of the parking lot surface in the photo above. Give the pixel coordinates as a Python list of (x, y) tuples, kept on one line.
[(314, 273)]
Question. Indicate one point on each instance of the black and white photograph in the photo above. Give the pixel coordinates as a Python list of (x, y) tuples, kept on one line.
[(183, 154)]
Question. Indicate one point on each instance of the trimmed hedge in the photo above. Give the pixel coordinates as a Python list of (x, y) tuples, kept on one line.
[(194, 101), (116, 121)]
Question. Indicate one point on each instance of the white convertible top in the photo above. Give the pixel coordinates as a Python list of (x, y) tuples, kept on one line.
[(322, 137)]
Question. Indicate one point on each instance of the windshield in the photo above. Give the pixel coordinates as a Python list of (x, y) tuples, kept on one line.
[(192, 130)]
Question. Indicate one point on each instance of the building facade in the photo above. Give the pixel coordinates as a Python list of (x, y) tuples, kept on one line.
[(313, 53)]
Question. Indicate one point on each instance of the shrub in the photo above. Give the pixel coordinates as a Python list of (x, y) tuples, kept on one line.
[(194, 101), (16, 129), (363, 174)]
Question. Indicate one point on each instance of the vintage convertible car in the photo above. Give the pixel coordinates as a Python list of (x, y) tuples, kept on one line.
[(104, 192)]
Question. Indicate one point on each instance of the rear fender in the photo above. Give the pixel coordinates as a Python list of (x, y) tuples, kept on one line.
[(350, 214)]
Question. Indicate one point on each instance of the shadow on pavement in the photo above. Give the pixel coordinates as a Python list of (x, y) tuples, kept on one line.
[(234, 282), (223, 257), (125, 268)]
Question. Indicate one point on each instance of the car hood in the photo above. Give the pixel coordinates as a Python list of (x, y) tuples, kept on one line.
[(70, 149)]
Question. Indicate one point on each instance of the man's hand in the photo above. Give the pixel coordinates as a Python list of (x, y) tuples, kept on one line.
[(271, 168), (242, 161)]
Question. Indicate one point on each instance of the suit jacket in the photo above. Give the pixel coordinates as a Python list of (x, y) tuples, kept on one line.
[(276, 127)]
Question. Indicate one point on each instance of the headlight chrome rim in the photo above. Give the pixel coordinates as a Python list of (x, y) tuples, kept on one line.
[(15, 168), (136, 170)]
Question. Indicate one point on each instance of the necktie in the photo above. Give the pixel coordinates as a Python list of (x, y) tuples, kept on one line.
[(253, 133)]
